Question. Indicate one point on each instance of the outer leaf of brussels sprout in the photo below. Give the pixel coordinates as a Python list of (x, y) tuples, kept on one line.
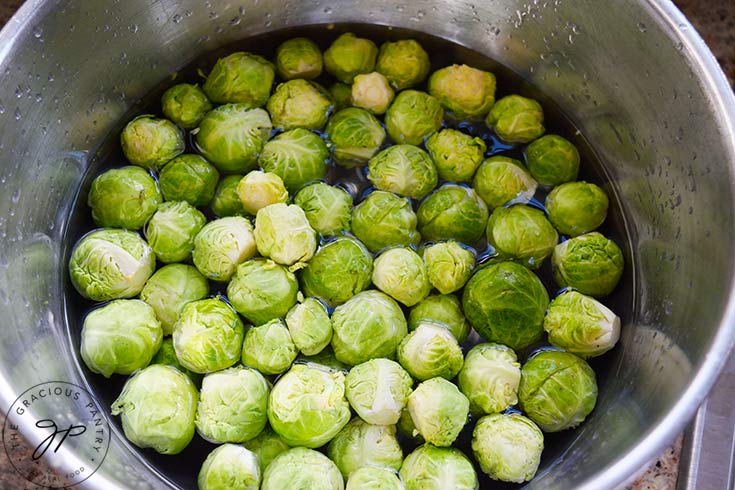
[(406, 170), (298, 157), (378, 390), (384, 220), (262, 290), (439, 411), (123, 198), (360, 444), (222, 245), (453, 212), (170, 288)]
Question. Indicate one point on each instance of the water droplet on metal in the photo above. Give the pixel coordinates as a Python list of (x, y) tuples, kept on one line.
[(18, 115), (327, 10), (134, 28), (37, 32), (38, 97), (176, 18), (16, 196), (642, 27)]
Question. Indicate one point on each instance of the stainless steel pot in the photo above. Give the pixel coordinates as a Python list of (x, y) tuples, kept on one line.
[(633, 75)]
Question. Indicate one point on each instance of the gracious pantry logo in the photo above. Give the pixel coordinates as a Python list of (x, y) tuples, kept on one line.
[(56, 435)]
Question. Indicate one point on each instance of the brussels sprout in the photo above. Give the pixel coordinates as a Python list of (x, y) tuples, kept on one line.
[(552, 160), (557, 391), (439, 411), (299, 58), (371, 92), (407, 428), (123, 198), (521, 233), (339, 270), (157, 408), (310, 327), (516, 119), (452, 212), (400, 273), (232, 136), (438, 468), (222, 245), (500, 179), (299, 104), (374, 478), (378, 391), (360, 444), (226, 202), (341, 96), (385, 220), (189, 178), (449, 265), (576, 207), (150, 142), (259, 189), (356, 135), (413, 116), (404, 63), (349, 56), (456, 154), (307, 406), (367, 326), (172, 229), (166, 355), (208, 336), (328, 208), (262, 290), (325, 358), (490, 377), (581, 325), (430, 351), (302, 468), (266, 446), (443, 310), (269, 348), (297, 157), (508, 447), (232, 405), (185, 104), (110, 264), (120, 337), (229, 466), (505, 302), (170, 288), (466, 92), (283, 233), (406, 170), (240, 77), (590, 263)]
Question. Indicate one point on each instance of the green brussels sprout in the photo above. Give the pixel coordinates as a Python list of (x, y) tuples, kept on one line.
[(384, 220), (120, 337), (189, 178), (299, 58), (350, 55), (500, 179), (231, 136), (360, 444), (452, 212), (150, 142), (185, 104), (232, 405), (110, 264), (341, 96), (374, 478), (449, 265), (299, 104), (590, 263), (408, 429), (557, 391), (404, 63), (208, 336), (166, 355), (266, 446), (438, 468), (372, 92), (456, 154), (229, 466), (222, 245), (439, 411), (443, 310), (489, 378), (340, 269), (157, 408), (521, 233), (552, 160), (302, 468), (226, 202), (297, 157), (172, 229), (240, 78), (576, 208), (413, 116), (466, 92), (430, 351), (406, 170), (328, 208), (307, 406), (269, 348), (378, 391), (508, 447), (259, 189), (367, 326), (401, 274), (355, 136), (516, 119), (310, 327), (123, 197), (283, 233), (505, 303), (262, 290), (581, 325)]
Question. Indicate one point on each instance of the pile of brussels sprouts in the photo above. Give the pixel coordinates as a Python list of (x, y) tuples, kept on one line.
[(359, 333)]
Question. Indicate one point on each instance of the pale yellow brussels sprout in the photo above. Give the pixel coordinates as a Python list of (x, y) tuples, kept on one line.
[(404, 63), (449, 265), (466, 92), (302, 468), (240, 78), (283, 233), (269, 348), (372, 92), (310, 327), (350, 55), (401, 274), (230, 466), (456, 154), (413, 116), (444, 310), (150, 142), (378, 391), (299, 104), (259, 189), (438, 468), (430, 351), (490, 377), (262, 290), (521, 233), (172, 229), (170, 288), (222, 245), (299, 58), (500, 179), (360, 444), (439, 411), (516, 119)]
